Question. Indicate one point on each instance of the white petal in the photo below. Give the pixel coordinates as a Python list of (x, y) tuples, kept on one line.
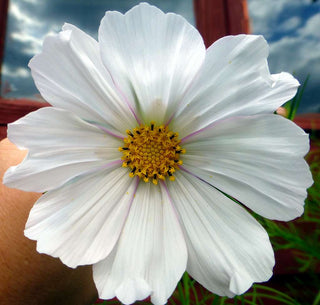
[(151, 254), (69, 74), (81, 221), (152, 56), (228, 249), (258, 160), (133, 289), (61, 147), (234, 81)]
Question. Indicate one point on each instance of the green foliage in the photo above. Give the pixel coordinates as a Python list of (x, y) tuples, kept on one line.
[(293, 105)]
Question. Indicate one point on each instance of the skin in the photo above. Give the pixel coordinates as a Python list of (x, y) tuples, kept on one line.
[(28, 277), (282, 111)]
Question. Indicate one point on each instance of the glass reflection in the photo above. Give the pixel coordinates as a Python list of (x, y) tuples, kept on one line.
[(292, 29), (29, 21)]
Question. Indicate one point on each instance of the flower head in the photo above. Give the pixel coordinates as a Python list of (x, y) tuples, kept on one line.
[(147, 133), (152, 152)]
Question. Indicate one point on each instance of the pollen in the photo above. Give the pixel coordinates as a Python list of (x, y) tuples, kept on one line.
[(152, 152)]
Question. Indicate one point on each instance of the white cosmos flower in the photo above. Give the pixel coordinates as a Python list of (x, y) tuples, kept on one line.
[(150, 87)]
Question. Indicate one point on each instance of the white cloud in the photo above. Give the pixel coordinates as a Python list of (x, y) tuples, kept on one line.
[(30, 31), (264, 15), (294, 55), (290, 24), (18, 72), (22, 17), (300, 56), (298, 52), (312, 27), (32, 44)]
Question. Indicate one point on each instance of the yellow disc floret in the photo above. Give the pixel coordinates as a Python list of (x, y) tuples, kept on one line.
[(152, 152)]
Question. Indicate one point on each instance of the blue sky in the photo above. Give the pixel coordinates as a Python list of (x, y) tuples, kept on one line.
[(292, 28), (31, 20)]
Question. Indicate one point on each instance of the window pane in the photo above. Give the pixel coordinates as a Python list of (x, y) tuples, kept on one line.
[(29, 21), (292, 28)]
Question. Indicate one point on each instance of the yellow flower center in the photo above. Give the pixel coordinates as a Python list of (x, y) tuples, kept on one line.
[(152, 152)]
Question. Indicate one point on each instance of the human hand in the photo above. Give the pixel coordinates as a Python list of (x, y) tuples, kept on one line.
[(27, 277)]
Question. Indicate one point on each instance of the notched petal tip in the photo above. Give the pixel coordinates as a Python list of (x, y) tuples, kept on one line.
[(143, 6), (240, 283), (132, 290), (50, 41), (13, 179), (158, 77), (285, 76), (256, 43), (68, 26), (7, 177)]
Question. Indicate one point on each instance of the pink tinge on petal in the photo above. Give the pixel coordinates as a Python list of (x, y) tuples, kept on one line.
[(152, 61), (74, 221), (228, 250), (150, 256), (233, 81), (125, 98), (109, 132), (257, 160)]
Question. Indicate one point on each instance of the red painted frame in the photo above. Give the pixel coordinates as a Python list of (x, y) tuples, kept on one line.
[(218, 18)]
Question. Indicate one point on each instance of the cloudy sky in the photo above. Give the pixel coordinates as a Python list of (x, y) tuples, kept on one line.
[(292, 28)]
